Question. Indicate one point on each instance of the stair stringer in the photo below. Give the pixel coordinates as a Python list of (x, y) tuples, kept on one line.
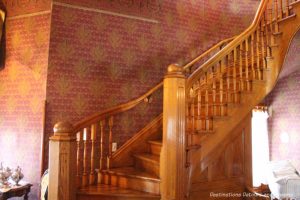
[(225, 127)]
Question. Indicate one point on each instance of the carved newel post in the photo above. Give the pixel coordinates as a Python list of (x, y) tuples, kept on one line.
[(173, 155), (62, 163)]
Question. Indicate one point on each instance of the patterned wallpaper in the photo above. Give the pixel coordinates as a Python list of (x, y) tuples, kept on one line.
[(284, 127), (98, 60), (22, 92), (21, 7)]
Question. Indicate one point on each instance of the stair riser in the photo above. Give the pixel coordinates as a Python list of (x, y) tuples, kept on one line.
[(132, 183), (152, 168), (155, 149)]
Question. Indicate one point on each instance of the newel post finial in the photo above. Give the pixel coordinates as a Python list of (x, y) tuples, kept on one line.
[(63, 128), (62, 162), (173, 154), (174, 70)]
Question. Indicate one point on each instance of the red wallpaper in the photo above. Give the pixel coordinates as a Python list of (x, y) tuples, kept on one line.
[(98, 60), (284, 127), (22, 92)]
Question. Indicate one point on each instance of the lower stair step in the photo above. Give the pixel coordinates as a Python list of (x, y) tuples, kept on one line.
[(131, 178), (155, 147), (147, 162), (108, 192)]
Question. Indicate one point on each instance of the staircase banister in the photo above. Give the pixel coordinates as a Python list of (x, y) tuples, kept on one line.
[(219, 44), (115, 110), (229, 47), (127, 106)]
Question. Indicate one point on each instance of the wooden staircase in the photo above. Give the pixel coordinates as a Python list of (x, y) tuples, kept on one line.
[(221, 87), (143, 176)]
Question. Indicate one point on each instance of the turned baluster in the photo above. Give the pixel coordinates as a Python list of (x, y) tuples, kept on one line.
[(263, 47), (192, 114), (93, 142), (86, 138), (207, 118), (287, 8), (235, 66), (281, 9), (247, 64), (258, 55), (222, 109), (272, 38), (268, 50), (79, 138), (214, 96), (276, 16), (101, 164), (199, 109), (252, 57), (228, 96), (241, 53), (110, 141)]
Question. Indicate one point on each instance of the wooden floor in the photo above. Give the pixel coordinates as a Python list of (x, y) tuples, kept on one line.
[(108, 192)]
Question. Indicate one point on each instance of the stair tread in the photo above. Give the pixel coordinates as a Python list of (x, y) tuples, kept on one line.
[(108, 190), (133, 172), (148, 157), (156, 142)]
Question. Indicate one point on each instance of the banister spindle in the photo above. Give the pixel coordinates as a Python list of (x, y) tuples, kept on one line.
[(241, 53), (228, 96), (110, 141), (93, 142), (287, 8), (206, 119), (281, 9), (276, 16), (86, 138), (247, 64), (252, 57), (192, 114), (258, 55), (235, 67), (79, 139), (199, 109), (101, 160), (214, 94), (263, 47), (222, 111)]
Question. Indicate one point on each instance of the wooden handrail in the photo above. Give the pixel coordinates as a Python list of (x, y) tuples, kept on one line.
[(219, 44), (234, 43), (126, 106), (114, 110)]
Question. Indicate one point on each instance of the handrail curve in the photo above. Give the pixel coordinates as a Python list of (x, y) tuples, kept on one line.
[(229, 47), (116, 109), (131, 104)]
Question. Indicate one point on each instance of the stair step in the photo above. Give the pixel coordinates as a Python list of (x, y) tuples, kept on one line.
[(131, 178), (108, 192), (147, 162), (155, 147)]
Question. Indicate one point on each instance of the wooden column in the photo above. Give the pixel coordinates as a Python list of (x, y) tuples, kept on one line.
[(173, 156), (62, 163)]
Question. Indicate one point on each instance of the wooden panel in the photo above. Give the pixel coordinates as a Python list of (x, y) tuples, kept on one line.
[(225, 170), (205, 190)]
